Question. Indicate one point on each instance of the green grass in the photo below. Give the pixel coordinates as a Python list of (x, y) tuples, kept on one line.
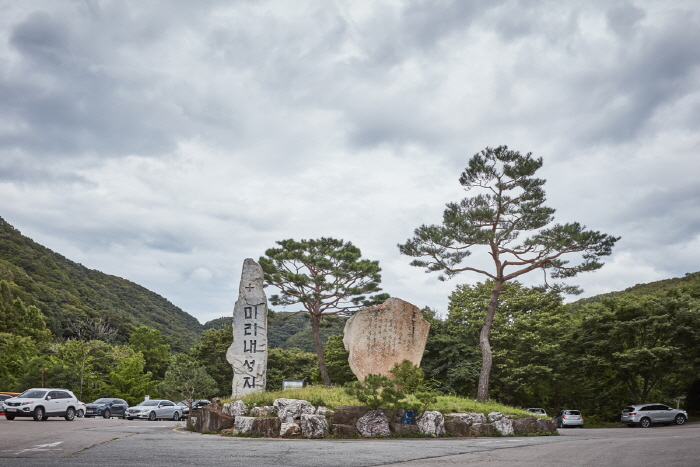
[(335, 396)]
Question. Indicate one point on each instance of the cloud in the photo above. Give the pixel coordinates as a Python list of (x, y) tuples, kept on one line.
[(165, 142)]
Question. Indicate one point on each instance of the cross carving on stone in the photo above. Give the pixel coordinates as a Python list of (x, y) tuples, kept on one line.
[(249, 288)]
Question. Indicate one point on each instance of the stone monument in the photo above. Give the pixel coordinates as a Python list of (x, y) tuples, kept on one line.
[(248, 353), (379, 337)]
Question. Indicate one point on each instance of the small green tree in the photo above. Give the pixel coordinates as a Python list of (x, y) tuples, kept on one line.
[(16, 353), (509, 202), (188, 380), (377, 391), (326, 277), (210, 352), (337, 361), (155, 351), (128, 380)]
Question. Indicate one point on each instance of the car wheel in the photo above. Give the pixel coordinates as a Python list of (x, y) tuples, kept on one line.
[(9, 417), (152, 416), (80, 414), (645, 422), (107, 414), (176, 416), (70, 414), (38, 414), (680, 419)]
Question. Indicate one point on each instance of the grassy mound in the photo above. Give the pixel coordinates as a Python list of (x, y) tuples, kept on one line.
[(335, 396)]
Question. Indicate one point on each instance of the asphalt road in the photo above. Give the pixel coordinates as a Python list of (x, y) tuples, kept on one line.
[(120, 443)]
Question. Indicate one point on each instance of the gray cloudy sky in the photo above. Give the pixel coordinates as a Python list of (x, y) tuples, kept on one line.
[(166, 141)]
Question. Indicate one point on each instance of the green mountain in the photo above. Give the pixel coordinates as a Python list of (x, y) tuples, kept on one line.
[(290, 331), (75, 299), (689, 284)]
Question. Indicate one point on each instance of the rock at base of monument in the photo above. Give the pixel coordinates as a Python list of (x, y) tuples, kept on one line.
[(314, 426), (344, 431), (290, 430), (212, 420), (235, 408), (290, 410), (347, 414), (483, 429), (525, 425), (431, 423), (243, 425), (403, 429), (266, 427), (373, 424), (546, 425), (262, 411), (458, 429), (468, 418), (263, 427), (504, 426)]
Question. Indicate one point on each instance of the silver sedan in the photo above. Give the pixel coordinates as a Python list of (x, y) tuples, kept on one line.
[(154, 409)]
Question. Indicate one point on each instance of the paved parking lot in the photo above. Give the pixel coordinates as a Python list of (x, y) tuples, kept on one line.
[(115, 442)]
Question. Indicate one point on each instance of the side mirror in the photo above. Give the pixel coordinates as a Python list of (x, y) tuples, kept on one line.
[(48, 398)]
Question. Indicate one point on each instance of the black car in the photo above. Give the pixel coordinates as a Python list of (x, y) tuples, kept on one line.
[(106, 408), (196, 404)]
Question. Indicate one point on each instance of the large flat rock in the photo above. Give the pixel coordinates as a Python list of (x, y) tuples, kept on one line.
[(379, 337)]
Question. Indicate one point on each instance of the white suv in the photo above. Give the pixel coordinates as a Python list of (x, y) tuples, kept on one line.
[(42, 403)]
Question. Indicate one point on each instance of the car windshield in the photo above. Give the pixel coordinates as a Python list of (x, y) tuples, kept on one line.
[(33, 394), (147, 403), (102, 401)]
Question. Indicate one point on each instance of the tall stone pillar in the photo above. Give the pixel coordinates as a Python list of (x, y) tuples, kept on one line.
[(248, 353)]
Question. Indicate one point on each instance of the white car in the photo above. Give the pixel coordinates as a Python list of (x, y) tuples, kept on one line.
[(42, 403), (154, 409)]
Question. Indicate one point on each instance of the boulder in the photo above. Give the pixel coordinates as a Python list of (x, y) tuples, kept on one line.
[(493, 416), (458, 428), (290, 410), (212, 420), (525, 425), (313, 426), (504, 426), (243, 425), (403, 429), (262, 411), (373, 424), (548, 425), (266, 427), (432, 423), (468, 418), (325, 411), (379, 337), (347, 414), (483, 429), (289, 430), (235, 408), (344, 431)]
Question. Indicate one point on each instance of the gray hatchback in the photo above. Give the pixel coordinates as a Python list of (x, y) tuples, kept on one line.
[(645, 414)]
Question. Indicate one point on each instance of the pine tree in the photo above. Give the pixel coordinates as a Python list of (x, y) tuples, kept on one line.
[(509, 202)]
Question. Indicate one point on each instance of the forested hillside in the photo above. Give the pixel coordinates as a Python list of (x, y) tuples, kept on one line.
[(290, 331), (76, 300)]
